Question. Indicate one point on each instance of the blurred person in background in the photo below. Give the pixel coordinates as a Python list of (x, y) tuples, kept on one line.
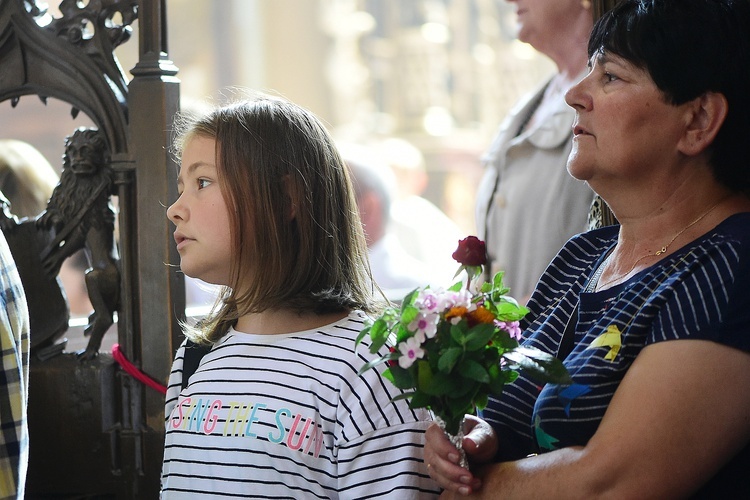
[(393, 269), (527, 203), (425, 232)]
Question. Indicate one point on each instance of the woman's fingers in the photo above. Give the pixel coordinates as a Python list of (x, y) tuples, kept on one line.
[(442, 460), (480, 442)]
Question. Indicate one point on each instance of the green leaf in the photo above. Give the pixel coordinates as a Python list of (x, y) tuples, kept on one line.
[(504, 340), (420, 400), (424, 375), (479, 335), (458, 332), (458, 285), (403, 395), (401, 377), (481, 401), (362, 334), (507, 310), (449, 358), (473, 370), (446, 384), (374, 363), (408, 314), (379, 334), (458, 271), (539, 365), (497, 280), (409, 299), (402, 333)]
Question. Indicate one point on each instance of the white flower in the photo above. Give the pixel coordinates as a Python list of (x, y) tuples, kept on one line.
[(410, 352), (461, 298), (424, 325), (428, 300)]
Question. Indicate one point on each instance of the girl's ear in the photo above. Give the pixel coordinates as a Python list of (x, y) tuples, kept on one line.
[(290, 192), (707, 114)]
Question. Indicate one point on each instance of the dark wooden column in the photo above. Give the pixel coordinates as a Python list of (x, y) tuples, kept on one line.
[(157, 303)]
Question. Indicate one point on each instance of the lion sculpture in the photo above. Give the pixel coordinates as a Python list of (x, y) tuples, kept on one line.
[(79, 216)]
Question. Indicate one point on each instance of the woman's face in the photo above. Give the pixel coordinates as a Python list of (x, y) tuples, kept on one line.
[(200, 215), (542, 22), (625, 133)]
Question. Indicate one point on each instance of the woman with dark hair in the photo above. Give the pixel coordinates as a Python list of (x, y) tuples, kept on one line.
[(651, 318), (276, 408)]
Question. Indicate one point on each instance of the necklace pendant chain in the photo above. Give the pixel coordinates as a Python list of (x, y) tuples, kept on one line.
[(663, 249)]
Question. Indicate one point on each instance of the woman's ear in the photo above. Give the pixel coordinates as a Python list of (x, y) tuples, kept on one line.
[(706, 116)]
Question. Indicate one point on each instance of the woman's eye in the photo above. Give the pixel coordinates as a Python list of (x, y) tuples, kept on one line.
[(609, 77), (202, 183)]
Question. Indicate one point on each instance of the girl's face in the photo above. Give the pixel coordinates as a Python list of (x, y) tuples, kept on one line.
[(200, 215), (626, 135)]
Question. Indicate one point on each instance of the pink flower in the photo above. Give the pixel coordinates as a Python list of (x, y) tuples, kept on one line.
[(450, 299), (424, 325), (512, 327), (410, 352), (428, 300)]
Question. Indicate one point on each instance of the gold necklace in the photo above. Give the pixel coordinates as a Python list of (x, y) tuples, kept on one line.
[(663, 249)]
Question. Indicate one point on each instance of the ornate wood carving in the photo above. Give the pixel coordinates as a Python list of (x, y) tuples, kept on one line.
[(70, 59)]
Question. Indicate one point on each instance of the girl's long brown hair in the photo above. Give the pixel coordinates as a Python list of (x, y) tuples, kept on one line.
[(297, 237)]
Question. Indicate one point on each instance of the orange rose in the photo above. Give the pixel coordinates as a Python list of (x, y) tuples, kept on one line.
[(456, 312), (480, 315)]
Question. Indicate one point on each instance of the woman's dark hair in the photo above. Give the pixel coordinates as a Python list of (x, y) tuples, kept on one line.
[(691, 47)]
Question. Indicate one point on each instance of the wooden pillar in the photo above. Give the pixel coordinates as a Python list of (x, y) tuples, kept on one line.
[(157, 300)]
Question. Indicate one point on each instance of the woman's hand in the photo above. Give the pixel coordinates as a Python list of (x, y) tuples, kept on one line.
[(441, 457)]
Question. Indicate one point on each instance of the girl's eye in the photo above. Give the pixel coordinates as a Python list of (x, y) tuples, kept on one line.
[(609, 77), (202, 183)]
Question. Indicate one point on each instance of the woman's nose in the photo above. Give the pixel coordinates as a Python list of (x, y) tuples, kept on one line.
[(577, 98)]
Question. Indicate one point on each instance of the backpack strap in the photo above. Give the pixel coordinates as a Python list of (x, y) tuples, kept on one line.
[(191, 359)]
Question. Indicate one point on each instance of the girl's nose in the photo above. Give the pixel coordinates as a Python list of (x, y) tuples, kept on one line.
[(176, 211)]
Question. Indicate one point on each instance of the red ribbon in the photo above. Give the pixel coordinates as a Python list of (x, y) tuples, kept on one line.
[(136, 372)]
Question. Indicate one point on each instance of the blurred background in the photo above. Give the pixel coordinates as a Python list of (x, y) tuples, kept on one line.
[(440, 74)]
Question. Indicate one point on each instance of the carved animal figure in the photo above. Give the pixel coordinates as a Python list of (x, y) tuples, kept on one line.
[(48, 308), (79, 215)]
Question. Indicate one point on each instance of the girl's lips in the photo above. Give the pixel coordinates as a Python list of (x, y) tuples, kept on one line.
[(181, 240)]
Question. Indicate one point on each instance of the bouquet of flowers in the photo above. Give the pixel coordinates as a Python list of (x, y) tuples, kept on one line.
[(451, 349)]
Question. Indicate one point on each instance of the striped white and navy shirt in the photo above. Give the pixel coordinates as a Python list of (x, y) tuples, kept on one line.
[(702, 291), (287, 416)]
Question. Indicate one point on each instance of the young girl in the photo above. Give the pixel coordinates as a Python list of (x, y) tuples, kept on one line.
[(276, 407)]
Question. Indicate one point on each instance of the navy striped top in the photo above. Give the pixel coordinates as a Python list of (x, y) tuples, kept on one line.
[(698, 292)]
